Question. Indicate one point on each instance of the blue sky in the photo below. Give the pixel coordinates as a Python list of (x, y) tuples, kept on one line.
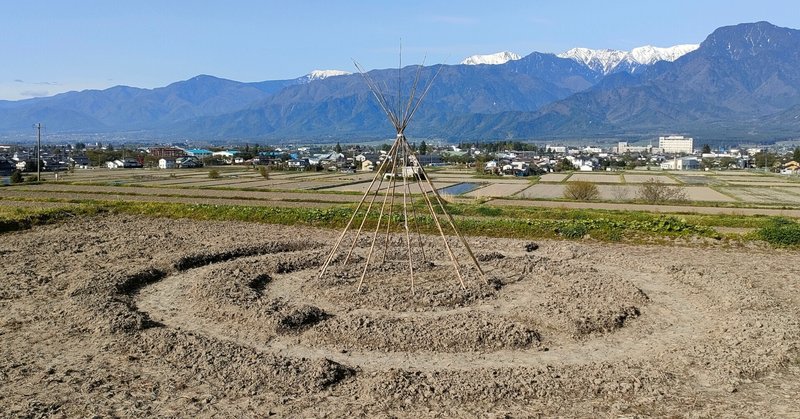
[(49, 47)]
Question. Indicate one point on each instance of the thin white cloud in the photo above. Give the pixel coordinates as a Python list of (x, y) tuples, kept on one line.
[(46, 83)]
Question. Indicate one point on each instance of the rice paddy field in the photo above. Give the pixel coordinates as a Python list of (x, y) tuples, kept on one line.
[(237, 186)]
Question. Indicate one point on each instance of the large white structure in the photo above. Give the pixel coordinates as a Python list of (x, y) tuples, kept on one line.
[(683, 163), (623, 147), (676, 144)]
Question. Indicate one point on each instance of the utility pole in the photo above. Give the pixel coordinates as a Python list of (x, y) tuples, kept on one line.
[(38, 127)]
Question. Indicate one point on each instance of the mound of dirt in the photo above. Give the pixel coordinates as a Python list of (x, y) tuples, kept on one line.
[(127, 316), (459, 332)]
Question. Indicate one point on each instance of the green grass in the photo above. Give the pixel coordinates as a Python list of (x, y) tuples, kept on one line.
[(781, 232), (472, 219), (478, 220)]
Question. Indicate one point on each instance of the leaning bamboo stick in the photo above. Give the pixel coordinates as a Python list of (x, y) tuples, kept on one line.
[(374, 238), (366, 214), (347, 227), (441, 233), (405, 225), (452, 224), (392, 186), (344, 231)]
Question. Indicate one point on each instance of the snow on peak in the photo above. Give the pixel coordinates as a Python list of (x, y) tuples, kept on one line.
[(602, 60), (497, 58), (649, 54), (324, 74), (608, 60)]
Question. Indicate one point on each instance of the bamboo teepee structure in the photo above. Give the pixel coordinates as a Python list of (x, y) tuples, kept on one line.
[(401, 162)]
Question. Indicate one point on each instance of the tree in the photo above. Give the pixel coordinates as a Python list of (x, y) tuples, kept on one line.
[(796, 154), (564, 165), (655, 191), (16, 177), (213, 174), (80, 146), (706, 149), (338, 148), (263, 172), (423, 148), (109, 147), (765, 159), (581, 190)]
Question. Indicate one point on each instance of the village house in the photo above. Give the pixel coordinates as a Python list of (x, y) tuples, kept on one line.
[(226, 157), (188, 162), (80, 162), (127, 163), (166, 163), (297, 164)]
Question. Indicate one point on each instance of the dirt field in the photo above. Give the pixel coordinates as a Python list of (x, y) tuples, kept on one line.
[(143, 317)]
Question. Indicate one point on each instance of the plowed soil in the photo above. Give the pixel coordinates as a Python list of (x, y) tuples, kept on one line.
[(125, 316)]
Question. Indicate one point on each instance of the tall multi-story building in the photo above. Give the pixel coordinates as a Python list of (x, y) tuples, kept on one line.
[(675, 144)]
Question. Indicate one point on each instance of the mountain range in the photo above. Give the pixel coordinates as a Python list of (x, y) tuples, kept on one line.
[(741, 83)]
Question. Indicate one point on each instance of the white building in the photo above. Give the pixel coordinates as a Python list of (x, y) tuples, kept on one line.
[(684, 163), (676, 144), (623, 147), (166, 163), (556, 148)]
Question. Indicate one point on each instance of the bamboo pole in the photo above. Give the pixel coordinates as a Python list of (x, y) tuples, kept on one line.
[(405, 225), (347, 227), (366, 214), (441, 233), (377, 228), (452, 224)]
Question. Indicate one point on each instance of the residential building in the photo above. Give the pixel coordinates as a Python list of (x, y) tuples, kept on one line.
[(127, 163), (166, 163), (188, 162), (81, 162)]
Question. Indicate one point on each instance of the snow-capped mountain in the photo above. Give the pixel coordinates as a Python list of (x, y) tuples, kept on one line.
[(608, 60), (324, 74), (497, 58)]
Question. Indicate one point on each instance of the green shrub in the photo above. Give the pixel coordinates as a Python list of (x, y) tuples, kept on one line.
[(16, 177), (573, 230), (213, 174), (263, 172), (781, 232), (488, 211)]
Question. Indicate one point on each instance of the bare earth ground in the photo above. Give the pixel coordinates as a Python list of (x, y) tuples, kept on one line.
[(137, 317)]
